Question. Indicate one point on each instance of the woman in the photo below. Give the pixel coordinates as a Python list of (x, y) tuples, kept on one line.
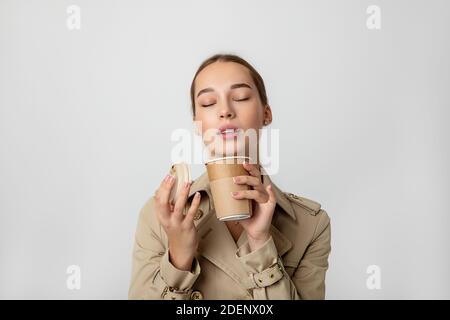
[(281, 252)]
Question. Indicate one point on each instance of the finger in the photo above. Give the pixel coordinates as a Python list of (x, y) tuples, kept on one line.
[(161, 196), (249, 180), (166, 179), (256, 195), (252, 169), (163, 192), (162, 213), (193, 208), (272, 198), (181, 201)]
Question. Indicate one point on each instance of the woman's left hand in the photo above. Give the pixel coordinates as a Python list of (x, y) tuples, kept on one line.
[(264, 201)]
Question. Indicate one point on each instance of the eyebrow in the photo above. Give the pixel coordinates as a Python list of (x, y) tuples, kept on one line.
[(234, 86)]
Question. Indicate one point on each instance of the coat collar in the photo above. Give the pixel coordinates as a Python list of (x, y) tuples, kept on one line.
[(218, 246), (202, 184), (216, 243)]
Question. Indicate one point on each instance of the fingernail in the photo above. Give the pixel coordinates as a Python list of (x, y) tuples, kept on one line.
[(167, 178), (235, 179), (171, 178), (197, 194), (186, 184), (234, 193)]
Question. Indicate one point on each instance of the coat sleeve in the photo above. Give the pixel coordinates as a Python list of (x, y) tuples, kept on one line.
[(153, 275), (271, 281)]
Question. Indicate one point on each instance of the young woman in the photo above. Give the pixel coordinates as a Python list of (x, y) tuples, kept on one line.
[(281, 252)]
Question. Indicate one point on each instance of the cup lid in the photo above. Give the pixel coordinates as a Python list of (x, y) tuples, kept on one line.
[(226, 158), (182, 174)]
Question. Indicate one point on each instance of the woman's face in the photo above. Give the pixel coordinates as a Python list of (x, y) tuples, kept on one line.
[(227, 104)]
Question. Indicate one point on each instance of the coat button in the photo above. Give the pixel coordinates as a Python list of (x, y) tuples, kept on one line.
[(196, 295), (293, 196), (198, 215)]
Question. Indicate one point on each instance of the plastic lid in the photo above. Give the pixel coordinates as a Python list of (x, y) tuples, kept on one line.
[(227, 158)]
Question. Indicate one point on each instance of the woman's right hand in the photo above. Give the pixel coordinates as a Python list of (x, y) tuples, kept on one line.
[(180, 228)]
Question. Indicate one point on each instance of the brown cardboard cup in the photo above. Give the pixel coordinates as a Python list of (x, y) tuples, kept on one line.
[(220, 174)]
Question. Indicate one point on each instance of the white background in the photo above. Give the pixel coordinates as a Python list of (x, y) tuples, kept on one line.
[(86, 117)]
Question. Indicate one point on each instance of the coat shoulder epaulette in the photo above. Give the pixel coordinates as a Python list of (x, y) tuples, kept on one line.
[(311, 206)]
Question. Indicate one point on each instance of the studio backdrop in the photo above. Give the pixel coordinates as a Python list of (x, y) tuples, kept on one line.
[(91, 93)]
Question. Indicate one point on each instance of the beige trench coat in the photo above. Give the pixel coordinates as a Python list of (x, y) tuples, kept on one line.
[(291, 265)]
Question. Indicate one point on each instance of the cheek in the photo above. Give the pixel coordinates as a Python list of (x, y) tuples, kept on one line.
[(251, 117), (206, 119)]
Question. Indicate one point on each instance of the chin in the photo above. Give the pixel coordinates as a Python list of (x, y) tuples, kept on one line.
[(230, 148)]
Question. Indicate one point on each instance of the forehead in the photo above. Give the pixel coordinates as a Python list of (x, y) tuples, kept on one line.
[(222, 75)]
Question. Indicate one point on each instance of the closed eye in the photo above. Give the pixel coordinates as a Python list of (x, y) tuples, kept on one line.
[(237, 100), (244, 99)]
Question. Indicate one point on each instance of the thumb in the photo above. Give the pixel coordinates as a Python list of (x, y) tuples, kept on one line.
[(272, 198)]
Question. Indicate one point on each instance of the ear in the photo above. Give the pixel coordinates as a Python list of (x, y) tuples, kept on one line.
[(267, 116)]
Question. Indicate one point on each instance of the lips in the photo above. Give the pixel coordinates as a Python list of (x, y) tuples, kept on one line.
[(228, 131), (226, 127)]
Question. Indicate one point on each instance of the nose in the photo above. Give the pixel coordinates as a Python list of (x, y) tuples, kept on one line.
[(226, 112)]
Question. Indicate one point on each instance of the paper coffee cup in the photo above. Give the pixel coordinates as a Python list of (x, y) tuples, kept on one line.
[(220, 174)]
